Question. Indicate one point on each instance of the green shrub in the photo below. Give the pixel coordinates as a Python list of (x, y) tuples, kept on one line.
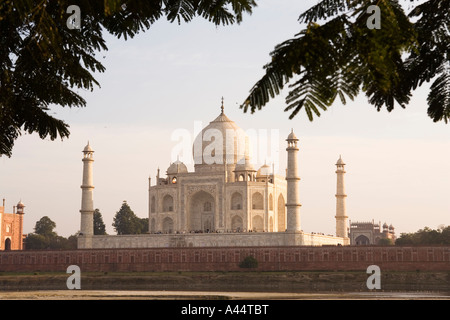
[(249, 262)]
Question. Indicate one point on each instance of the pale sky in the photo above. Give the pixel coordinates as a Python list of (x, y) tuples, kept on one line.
[(173, 76)]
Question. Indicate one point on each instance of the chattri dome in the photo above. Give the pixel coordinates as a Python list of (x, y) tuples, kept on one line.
[(292, 136), (177, 167), (264, 171), (88, 148)]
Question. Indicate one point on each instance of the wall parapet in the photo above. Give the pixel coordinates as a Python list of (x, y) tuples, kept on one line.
[(273, 258)]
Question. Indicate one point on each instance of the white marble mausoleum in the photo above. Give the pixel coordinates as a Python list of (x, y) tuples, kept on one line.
[(225, 201)]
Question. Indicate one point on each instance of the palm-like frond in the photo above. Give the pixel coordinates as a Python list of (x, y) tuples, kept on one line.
[(439, 96), (340, 58)]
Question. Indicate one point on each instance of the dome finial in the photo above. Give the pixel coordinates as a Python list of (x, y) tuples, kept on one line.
[(221, 107)]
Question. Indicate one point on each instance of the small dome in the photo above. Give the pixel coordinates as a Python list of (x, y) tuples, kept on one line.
[(292, 136), (340, 161), (20, 204), (264, 171), (391, 227), (177, 167), (88, 148), (385, 225)]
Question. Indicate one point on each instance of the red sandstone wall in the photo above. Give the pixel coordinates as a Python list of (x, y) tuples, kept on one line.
[(436, 258)]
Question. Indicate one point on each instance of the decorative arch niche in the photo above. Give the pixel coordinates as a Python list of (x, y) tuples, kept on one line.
[(236, 201), (167, 203), (237, 224), (281, 213), (167, 225), (258, 223)]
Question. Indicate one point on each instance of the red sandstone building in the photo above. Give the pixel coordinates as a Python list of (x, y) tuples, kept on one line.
[(11, 227)]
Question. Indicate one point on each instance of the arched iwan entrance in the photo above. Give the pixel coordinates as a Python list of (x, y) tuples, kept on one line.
[(201, 212), (362, 240)]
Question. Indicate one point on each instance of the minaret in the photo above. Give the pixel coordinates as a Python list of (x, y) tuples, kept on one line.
[(293, 189), (20, 212), (87, 200), (341, 217)]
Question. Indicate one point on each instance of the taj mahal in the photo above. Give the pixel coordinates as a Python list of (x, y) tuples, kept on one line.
[(224, 202)]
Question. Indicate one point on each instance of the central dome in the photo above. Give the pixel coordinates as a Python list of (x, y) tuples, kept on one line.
[(220, 142)]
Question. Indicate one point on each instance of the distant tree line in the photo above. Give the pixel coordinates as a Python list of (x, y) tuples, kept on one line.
[(425, 236), (45, 237)]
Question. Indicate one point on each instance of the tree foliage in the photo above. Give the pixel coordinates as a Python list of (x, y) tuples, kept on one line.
[(342, 57), (44, 63), (99, 225), (425, 236), (126, 222), (385, 242), (45, 227), (45, 237)]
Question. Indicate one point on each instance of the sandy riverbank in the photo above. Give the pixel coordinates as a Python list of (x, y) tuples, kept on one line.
[(225, 285)]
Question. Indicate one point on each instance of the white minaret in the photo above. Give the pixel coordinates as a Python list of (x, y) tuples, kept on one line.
[(87, 188), (293, 185), (341, 217)]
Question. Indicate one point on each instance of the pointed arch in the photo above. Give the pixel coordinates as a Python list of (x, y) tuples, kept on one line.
[(258, 223), (153, 205), (270, 202), (281, 213), (257, 201), (236, 201), (167, 203), (362, 240), (237, 224), (167, 225), (153, 226), (198, 219)]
